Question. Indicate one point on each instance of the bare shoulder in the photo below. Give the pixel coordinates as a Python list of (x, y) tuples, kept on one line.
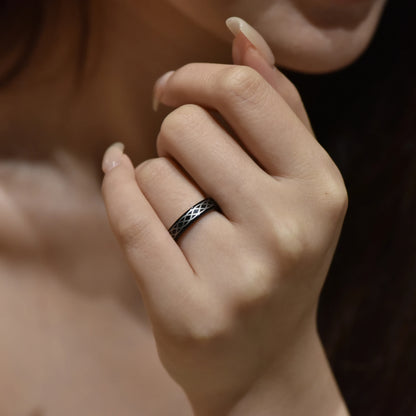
[(66, 352), (74, 335)]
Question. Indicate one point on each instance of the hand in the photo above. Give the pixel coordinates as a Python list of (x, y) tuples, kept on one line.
[(233, 302)]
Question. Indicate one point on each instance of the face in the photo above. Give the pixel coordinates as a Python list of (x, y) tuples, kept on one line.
[(313, 36)]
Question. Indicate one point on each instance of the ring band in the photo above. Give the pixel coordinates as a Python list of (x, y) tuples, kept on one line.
[(190, 216)]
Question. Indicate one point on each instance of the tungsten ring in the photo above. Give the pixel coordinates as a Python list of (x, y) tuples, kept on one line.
[(192, 215)]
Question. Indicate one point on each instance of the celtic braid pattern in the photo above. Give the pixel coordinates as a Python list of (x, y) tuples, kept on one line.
[(190, 216)]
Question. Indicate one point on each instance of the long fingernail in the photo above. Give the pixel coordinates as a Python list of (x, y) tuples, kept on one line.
[(237, 25), (112, 157), (158, 89)]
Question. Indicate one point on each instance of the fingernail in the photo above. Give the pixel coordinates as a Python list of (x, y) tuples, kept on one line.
[(158, 89), (237, 25), (112, 157)]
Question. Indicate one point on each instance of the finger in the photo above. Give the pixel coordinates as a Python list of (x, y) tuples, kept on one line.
[(220, 167), (260, 117), (162, 271), (167, 188), (244, 53), (171, 193)]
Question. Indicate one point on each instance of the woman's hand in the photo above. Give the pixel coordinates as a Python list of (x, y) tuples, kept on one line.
[(233, 302)]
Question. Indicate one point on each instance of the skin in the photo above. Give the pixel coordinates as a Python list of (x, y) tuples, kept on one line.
[(68, 306), (312, 36), (239, 321)]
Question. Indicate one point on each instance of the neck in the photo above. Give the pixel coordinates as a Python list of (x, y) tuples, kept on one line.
[(130, 44)]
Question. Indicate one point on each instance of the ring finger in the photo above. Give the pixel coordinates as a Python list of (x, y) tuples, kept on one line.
[(216, 162), (171, 193)]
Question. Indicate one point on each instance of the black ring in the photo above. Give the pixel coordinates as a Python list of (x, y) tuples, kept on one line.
[(190, 216)]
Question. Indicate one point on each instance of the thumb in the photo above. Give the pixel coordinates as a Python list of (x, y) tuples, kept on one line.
[(250, 49)]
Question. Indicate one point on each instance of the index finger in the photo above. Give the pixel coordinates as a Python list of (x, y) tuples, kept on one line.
[(262, 120), (245, 54)]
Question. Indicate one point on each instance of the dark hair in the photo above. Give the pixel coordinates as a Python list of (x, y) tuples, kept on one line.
[(365, 117), (21, 25)]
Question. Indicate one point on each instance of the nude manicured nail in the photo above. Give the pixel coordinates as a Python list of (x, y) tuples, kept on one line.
[(112, 156), (237, 25), (158, 89)]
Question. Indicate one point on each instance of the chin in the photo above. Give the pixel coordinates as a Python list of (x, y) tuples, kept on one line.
[(311, 36), (323, 43), (320, 56)]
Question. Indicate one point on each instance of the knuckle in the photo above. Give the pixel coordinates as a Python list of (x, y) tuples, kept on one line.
[(242, 84), (335, 196), (336, 199), (152, 170), (206, 331), (291, 243), (256, 286), (288, 242), (172, 124), (186, 69), (208, 324), (183, 119)]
